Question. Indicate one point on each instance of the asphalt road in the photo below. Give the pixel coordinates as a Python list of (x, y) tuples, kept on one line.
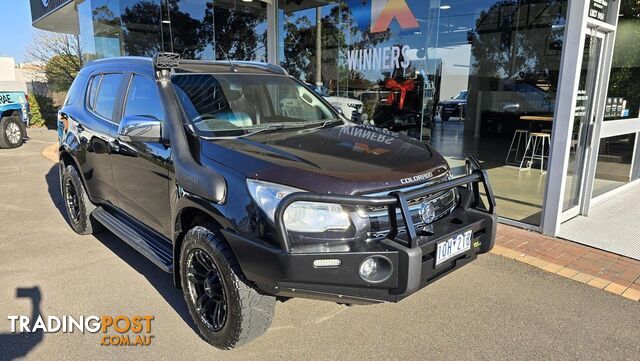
[(494, 309)]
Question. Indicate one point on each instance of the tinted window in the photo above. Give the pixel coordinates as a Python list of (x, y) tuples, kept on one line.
[(143, 98), (107, 94), (93, 90), (75, 90)]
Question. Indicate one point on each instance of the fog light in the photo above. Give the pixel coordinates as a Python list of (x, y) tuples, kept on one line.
[(375, 269)]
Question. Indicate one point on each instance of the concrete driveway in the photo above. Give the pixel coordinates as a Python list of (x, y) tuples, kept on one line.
[(494, 309)]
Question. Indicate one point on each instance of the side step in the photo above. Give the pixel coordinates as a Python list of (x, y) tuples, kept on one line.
[(152, 246)]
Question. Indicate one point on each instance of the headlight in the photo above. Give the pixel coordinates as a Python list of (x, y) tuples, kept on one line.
[(304, 217), (310, 217)]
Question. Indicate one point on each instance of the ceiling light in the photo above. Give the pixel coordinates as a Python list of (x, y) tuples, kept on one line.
[(445, 7)]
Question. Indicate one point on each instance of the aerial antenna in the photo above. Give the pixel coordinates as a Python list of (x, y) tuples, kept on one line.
[(233, 67)]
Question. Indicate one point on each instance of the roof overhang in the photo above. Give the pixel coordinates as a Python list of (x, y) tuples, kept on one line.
[(60, 16)]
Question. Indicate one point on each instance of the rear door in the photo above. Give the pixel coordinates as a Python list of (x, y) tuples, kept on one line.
[(94, 130), (141, 169)]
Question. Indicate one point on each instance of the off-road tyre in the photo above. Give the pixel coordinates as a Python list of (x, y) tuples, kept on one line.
[(248, 313), (14, 126), (77, 203)]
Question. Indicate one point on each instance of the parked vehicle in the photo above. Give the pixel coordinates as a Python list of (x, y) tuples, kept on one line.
[(502, 109), (14, 118), (351, 108), (454, 107), (246, 186)]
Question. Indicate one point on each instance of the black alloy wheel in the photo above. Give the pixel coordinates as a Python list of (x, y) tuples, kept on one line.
[(76, 202), (206, 289), (227, 308), (72, 201)]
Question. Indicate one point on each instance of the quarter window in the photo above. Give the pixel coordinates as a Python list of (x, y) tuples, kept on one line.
[(107, 93), (93, 90), (143, 98)]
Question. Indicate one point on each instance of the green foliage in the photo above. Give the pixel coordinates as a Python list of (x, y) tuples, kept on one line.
[(43, 111), (61, 70), (338, 33), (37, 120)]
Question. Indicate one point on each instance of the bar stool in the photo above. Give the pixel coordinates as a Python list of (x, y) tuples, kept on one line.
[(538, 139), (518, 135)]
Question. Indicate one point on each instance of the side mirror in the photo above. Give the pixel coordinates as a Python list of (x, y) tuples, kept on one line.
[(140, 128)]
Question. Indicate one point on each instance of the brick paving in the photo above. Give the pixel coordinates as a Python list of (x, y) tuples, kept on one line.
[(607, 271)]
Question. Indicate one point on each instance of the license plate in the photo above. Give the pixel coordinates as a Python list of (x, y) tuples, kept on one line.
[(454, 246)]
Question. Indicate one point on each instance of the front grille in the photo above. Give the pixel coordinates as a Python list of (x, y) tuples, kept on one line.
[(443, 202)]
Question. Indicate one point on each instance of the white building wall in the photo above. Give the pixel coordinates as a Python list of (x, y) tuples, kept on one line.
[(16, 79)]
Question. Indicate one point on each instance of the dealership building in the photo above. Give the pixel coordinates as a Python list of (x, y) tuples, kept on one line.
[(545, 92)]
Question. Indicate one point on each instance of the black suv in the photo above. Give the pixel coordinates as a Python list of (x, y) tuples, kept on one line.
[(248, 187)]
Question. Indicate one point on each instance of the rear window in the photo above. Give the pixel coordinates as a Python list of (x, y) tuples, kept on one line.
[(105, 102), (75, 90)]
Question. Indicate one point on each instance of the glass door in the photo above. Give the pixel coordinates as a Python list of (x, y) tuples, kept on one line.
[(584, 120)]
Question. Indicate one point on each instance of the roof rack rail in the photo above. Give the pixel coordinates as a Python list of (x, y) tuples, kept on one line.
[(266, 66)]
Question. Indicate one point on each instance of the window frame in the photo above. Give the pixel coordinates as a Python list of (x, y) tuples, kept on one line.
[(117, 106), (89, 103), (125, 98)]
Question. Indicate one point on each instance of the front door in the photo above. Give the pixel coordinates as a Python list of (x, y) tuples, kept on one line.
[(141, 169), (581, 143)]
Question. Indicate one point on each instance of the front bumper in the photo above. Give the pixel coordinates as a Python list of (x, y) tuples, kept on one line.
[(412, 255)]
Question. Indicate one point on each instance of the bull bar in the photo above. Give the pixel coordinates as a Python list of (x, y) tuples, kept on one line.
[(475, 175)]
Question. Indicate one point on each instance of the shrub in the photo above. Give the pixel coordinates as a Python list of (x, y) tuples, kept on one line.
[(46, 110), (37, 120)]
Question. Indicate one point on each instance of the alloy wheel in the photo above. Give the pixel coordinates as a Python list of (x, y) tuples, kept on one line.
[(13, 133), (206, 289), (71, 198)]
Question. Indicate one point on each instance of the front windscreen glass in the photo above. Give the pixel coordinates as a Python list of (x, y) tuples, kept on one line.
[(240, 104)]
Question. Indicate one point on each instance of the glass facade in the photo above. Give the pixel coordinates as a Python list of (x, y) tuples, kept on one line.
[(463, 75), (616, 154), (623, 98), (467, 76), (196, 29), (505, 55)]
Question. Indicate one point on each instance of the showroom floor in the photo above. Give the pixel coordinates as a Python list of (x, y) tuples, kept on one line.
[(611, 225), (519, 194)]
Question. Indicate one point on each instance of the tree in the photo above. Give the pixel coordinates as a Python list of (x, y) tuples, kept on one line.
[(339, 33), (141, 28), (61, 56), (37, 120)]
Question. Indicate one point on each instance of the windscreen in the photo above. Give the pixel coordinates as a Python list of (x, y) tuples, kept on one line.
[(236, 104)]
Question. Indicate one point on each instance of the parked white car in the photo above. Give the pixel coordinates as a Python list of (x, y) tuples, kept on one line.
[(351, 108)]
